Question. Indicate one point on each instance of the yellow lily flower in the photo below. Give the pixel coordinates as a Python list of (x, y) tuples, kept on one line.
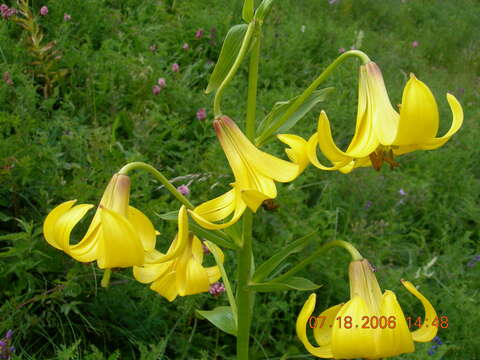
[(180, 270), (255, 174), (380, 131), (370, 325), (118, 235)]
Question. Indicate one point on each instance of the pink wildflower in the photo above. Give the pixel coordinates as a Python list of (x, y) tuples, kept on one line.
[(175, 67), (415, 44), (162, 82), (184, 190), (341, 50), (43, 10), (216, 289), (201, 114), (156, 90), (185, 47), (199, 33), (67, 17)]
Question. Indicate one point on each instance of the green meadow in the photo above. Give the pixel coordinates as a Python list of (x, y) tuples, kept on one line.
[(75, 111)]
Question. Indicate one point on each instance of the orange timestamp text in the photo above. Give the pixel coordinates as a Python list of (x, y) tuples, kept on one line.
[(376, 322)]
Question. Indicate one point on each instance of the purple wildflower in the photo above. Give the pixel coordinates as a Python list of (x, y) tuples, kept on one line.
[(402, 192), (44, 10), (216, 288), (175, 67), (184, 190), (201, 114), (9, 334), (473, 261), (199, 33), (156, 89), (162, 82), (368, 204)]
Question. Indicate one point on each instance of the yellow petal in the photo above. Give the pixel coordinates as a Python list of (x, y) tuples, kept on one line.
[(166, 286), (218, 208), (49, 226), (418, 114), (120, 244), (302, 320), (65, 224), (312, 155), (271, 166), (144, 227), (350, 342), (323, 329), (151, 272), (253, 198), (87, 249), (457, 122), (395, 338), (298, 150), (193, 279), (427, 331)]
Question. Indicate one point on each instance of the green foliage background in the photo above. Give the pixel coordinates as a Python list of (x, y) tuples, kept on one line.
[(103, 114)]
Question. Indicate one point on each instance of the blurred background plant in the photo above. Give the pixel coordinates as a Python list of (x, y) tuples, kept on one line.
[(69, 144)]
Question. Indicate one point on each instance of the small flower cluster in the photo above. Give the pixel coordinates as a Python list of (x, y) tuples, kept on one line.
[(216, 288), (157, 88), (6, 12), (432, 351), (6, 349)]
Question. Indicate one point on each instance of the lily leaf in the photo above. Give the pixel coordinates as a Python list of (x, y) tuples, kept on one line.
[(221, 317), (268, 266), (228, 54), (263, 10), (247, 12), (216, 236), (266, 127), (293, 283)]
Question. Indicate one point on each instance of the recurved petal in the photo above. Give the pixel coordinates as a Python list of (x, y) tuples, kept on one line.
[(87, 249), (144, 227), (120, 244), (166, 286), (151, 272), (312, 156), (65, 224), (326, 143), (457, 122), (298, 150), (427, 331), (196, 279), (353, 342), (218, 208), (49, 226), (323, 329), (254, 198), (302, 320), (395, 338)]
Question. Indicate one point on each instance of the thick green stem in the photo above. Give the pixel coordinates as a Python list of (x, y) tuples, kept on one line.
[(245, 297), (355, 254), (316, 83), (160, 177), (241, 54), (252, 88)]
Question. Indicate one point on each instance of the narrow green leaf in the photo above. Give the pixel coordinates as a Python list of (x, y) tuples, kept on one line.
[(216, 236), (228, 54), (221, 317), (293, 283), (247, 12), (263, 10), (280, 108), (268, 266)]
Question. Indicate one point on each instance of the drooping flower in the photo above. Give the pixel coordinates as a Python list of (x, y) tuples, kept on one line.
[(380, 131), (255, 174), (370, 325), (180, 270), (44, 10), (118, 235)]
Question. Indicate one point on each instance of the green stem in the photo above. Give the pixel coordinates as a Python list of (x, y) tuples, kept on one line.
[(252, 88), (355, 254), (106, 278), (316, 83), (245, 297), (160, 177), (241, 54)]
